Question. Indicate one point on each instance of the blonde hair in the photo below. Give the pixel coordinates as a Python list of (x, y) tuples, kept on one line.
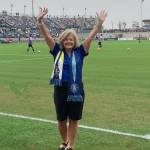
[(66, 33)]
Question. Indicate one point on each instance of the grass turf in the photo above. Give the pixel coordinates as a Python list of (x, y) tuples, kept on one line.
[(116, 81)]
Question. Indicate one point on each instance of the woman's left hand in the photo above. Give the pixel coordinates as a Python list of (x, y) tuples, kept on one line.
[(101, 16)]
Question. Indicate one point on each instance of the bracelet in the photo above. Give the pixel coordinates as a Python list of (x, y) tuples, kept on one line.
[(40, 24)]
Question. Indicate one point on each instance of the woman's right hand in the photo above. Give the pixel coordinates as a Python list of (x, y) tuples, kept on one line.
[(42, 13)]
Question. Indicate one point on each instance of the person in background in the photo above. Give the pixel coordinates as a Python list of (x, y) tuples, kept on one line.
[(30, 44), (100, 41)]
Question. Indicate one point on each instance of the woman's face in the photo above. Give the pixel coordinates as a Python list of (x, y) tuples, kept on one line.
[(69, 42)]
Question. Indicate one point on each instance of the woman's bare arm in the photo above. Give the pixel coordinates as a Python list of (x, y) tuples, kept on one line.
[(100, 19), (44, 30)]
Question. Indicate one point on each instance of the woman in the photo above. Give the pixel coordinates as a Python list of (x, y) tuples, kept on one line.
[(67, 76)]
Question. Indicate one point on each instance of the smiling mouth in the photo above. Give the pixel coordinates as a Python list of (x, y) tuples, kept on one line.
[(69, 44)]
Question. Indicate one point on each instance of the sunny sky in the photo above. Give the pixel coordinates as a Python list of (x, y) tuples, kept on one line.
[(118, 10)]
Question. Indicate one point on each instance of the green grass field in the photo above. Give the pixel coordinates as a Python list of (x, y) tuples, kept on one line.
[(117, 86)]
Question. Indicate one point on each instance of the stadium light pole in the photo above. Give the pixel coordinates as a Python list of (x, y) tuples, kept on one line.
[(11, 8), (141, 10), (63, 9), (25, 10), (63, 12), (32, 8), (85, 12)]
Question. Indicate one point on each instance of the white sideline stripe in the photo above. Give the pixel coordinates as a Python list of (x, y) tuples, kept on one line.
[(21, 55), (147, 137), (9, 61)]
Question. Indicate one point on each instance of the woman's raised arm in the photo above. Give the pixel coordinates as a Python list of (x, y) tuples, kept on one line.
[(44, 30), (100, 19)]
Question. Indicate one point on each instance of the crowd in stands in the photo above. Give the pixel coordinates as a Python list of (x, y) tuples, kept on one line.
[(15, 26), (20, 26)]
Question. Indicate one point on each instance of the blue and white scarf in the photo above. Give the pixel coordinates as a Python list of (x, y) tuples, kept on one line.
[(74, 84), (56, 77)]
